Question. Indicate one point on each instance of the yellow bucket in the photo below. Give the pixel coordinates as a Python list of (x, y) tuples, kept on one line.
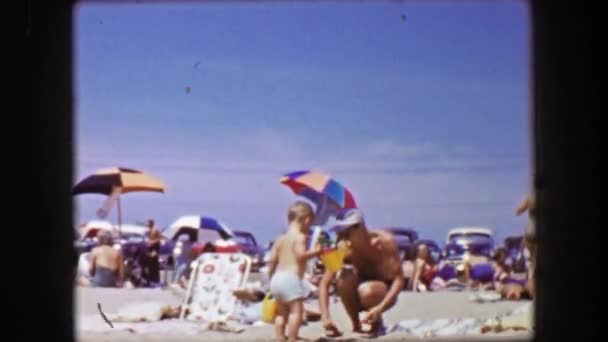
[(333, 259), (269, 309)]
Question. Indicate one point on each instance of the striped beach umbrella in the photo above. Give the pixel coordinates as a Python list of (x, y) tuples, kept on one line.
[(115, 181), (104, 181), (316, 185), (198, 222)]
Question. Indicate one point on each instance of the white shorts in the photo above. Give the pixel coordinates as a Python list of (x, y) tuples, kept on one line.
[(287, 286)]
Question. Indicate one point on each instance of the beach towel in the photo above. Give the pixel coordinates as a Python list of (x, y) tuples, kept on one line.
[(485, 297), (438, 327), (213, 279)]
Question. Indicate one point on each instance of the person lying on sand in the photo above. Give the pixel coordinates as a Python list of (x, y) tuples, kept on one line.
[(371, 278)]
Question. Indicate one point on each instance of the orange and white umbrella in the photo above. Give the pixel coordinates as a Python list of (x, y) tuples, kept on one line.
[(115, 181)]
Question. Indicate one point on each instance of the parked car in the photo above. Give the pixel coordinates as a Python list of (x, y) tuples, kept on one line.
[(87, 235), (515, 256), (477, 245), (405, 238), (249, 245), (267, 250)]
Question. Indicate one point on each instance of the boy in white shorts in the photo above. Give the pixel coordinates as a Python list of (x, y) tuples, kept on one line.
[(286, 270)]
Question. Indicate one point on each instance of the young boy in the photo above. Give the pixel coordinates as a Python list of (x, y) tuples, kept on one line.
[(286, 270)]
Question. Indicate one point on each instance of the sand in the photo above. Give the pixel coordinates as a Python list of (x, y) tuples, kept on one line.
[(420, 306)]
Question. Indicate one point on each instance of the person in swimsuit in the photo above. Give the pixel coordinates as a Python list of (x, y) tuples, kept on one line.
[(287, 265), (424, 270), (106, 265), (528, 204), (501, 271), (150, 262), (371, 278)]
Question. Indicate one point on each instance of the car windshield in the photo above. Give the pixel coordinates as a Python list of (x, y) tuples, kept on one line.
[(132, 237), (454, 250), (243, 239), (470, 238)]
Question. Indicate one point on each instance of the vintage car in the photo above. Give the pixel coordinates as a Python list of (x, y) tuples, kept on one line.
[(405, 238), (249, 245), (267, 251), (476, 245), (515, 253), (87, 235)]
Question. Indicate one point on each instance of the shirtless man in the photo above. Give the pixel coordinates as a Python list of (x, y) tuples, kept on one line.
[(107, 267), (371, 278), (528, 204)]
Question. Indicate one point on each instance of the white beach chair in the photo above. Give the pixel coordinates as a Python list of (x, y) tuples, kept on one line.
[(213, 278)]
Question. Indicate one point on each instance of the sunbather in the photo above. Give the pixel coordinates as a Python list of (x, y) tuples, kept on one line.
[(424, 270), (106, 265)]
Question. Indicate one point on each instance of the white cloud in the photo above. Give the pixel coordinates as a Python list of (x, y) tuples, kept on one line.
[(238, 179)]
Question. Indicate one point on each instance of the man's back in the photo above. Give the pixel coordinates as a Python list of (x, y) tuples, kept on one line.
[(106, 256)]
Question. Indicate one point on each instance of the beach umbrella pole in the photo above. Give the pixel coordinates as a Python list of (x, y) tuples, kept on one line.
[(119, 217)]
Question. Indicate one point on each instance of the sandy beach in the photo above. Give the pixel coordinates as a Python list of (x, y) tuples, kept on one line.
[(433, 308)]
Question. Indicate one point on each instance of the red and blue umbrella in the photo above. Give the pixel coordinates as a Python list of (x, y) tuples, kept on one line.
[(315, 185)]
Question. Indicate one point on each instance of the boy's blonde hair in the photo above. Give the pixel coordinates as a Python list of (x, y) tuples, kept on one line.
[(299, 211)]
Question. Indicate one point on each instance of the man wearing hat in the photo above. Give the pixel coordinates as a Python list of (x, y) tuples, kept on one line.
[(371, 278)]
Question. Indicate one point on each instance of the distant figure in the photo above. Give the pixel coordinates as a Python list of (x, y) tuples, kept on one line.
[(287, 265), (501, 271), (183, 260), (150, 263), (408, 266), (186, 270), (528, 204), (424, 270), (106, 265)]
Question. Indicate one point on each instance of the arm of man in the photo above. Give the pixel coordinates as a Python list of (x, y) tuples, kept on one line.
[(386, 245), (392, 253), (394, 290), (523, 205)]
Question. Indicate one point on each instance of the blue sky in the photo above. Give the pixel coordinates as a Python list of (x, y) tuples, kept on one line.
[(424, 119)]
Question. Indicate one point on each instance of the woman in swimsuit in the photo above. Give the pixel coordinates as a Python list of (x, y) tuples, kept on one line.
[(424, 269)]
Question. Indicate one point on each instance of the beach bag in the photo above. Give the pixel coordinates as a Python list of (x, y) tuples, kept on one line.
[(269, 309)]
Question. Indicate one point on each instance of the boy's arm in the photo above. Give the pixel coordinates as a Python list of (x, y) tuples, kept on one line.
[(302, 254), (272, 263)]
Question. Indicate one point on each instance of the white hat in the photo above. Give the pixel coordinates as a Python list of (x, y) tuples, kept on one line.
[(347, 218)]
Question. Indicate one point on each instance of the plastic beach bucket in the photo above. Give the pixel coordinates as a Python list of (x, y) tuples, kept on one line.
[(269, 309), (333, 258)]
